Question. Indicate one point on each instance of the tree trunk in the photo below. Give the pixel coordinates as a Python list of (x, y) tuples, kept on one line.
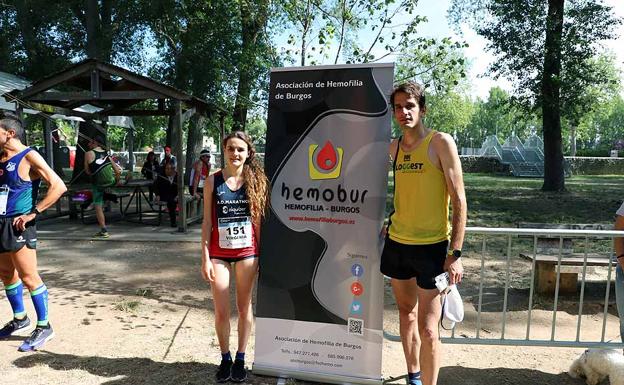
[(106, 31), (573, 140), (169, 134), (253, 19), (554, 179), (91, 25), (194, 142)]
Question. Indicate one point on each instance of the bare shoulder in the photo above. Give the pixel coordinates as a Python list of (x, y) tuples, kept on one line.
[(443, 143), (442, 138), (210, 181), (35, 158)]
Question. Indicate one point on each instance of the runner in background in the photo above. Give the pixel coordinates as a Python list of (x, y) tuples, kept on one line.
[(104, 174), (21, 171), (199, 173)]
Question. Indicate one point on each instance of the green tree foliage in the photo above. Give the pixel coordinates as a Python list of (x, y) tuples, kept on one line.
[(450, 112), (499, 115), (330, 30), (27, 47), (603, 128), (438, 64), (256, 53), (590, 98), (39, 37), (544, 48)]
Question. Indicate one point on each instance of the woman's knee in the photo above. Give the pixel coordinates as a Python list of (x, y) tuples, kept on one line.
[(244, 308), (222, 314)]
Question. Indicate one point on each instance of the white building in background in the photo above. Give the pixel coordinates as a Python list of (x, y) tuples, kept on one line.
[(209, 143)]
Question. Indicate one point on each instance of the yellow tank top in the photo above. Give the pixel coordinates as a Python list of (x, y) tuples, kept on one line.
[(421, 199)]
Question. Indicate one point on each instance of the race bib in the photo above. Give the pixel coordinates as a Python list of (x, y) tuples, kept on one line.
[(235, 232), (4, 197)]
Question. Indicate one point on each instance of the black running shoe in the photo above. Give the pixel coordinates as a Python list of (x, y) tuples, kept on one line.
[(223, 373), (14, 327), (239, 373)]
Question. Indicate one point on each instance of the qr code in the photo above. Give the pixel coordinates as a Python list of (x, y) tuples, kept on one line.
[(356, 326)]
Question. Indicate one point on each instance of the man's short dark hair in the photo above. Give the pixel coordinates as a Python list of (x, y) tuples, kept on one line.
[(413, 89), (10, 121)]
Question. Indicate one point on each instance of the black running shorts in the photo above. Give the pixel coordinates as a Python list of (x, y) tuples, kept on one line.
[(423, 262), (13, 240)]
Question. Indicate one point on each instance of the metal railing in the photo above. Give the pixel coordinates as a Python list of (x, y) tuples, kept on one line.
[(472, 330)]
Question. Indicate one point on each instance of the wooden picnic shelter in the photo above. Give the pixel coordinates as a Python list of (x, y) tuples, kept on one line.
[(100, 90)]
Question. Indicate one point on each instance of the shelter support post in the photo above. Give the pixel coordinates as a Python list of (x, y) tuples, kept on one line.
[(222, 129), (48, 126), (178, 133), (131, 149)]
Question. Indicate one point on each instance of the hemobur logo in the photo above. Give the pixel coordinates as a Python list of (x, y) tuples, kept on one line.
[(10, 166), (325, 162)]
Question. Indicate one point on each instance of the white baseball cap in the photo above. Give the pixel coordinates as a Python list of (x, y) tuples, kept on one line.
[(452, 308)]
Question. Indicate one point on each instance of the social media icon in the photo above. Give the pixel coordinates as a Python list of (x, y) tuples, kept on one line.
[(356, 307), (357, 270), (357, 288)]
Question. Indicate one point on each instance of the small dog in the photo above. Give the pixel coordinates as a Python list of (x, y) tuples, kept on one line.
[(595, 365)]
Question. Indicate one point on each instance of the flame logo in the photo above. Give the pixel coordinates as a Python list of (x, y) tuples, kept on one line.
[(327, 157), (325, 162)]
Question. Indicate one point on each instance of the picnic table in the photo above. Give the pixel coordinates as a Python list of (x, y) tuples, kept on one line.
[(546, 258), (137, 195)]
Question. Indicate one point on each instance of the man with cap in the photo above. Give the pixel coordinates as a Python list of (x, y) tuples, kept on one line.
[(199, 173)]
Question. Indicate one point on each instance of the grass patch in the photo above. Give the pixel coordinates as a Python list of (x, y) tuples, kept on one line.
[(127, 306), (144, 292), (495, 201), (501, 201)]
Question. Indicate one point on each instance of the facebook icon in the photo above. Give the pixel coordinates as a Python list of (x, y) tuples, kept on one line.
[(357, 270)]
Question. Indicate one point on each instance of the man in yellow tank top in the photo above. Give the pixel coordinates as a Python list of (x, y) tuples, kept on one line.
[(420, 242)]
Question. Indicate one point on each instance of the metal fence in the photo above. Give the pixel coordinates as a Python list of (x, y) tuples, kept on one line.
[(505, 305)]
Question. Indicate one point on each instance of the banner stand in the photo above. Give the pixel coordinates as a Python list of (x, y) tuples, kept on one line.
[(265, 370), (319, 309)]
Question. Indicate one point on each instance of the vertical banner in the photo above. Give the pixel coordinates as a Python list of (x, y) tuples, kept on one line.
[(320, 294)]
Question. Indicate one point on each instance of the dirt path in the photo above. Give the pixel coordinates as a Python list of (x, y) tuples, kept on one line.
[(139, 313)]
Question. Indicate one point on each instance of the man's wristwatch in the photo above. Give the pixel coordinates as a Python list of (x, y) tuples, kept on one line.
[(35, 211), (455, 254)]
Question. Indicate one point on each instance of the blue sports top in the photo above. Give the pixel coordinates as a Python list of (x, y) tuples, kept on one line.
[(22, 193)]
